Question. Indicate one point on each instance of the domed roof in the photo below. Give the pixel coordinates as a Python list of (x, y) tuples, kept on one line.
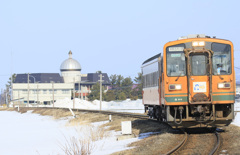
[(70, 64)]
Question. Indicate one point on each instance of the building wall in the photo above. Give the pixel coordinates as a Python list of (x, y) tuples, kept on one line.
[(71, 76), (42, 92)]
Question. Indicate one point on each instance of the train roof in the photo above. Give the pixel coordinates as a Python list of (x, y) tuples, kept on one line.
[(194, 36), (152, 58), (191, 36)]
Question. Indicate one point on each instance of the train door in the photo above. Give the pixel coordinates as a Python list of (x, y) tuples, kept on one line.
[(199, 77)]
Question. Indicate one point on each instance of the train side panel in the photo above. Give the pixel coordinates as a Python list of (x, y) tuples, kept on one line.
[(151, 96), (150, 73)]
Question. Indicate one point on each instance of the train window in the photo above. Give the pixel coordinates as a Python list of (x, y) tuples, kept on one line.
[(150, 72), (176, 64), (199, 66), (221, 59), (150, 80)]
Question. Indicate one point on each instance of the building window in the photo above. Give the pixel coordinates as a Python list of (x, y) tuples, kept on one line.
[(34, 91), (44, 91), (50, 91), (24, 91), (65, 91)]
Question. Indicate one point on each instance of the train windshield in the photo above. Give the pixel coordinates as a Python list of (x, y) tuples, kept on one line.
[(221, 59), (199, 66), (176, 64)]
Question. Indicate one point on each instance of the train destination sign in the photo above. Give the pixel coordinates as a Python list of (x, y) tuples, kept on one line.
[(175, 49)]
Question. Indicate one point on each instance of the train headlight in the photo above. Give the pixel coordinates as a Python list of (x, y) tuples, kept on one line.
[(198, 43), (224, 85), (175, 87)]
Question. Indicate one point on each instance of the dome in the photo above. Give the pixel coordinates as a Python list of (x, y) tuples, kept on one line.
[(70, 64)]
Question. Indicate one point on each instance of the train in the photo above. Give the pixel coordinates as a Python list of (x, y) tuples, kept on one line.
[(191, 84)]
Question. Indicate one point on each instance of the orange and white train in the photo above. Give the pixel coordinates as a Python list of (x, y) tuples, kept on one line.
[(192, 84)]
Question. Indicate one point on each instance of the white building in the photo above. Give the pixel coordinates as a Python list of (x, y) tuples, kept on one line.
[(42, 93), (44, 88)]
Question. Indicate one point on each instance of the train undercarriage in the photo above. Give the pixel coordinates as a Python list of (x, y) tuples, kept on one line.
[(195, 115)]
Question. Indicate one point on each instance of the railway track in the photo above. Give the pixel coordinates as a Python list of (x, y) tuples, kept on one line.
[(176, 148), (184, 146)]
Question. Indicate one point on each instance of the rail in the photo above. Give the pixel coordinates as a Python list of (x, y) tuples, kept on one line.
[(185, 138), (217, 144), (176, 148)]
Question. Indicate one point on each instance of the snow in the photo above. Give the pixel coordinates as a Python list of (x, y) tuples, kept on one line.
[(134, 106), (30, 133), (237, 117)]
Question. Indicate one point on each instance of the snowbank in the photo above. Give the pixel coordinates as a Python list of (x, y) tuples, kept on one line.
[(237, 117), (128, 105)]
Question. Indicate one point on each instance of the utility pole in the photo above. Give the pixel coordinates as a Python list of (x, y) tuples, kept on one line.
[(79, 87), (28, 92), (73, 92), (101, 90), (81, 94), (18, 99), (37, 93), (1, 102), (7, 99), (11, 98), (53, 92)]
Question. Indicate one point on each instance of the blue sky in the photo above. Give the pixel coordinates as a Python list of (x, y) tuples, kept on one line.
[(112, 36)]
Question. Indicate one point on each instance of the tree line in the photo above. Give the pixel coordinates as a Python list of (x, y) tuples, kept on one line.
[(5, 96), (121, 88)]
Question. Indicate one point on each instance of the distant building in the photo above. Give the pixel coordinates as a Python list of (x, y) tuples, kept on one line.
[(44, 88)]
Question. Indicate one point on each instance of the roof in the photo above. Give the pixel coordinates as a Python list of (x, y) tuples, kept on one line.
[(39, 77), (94, 78), (152, 58), (91, 78), (70, 64)]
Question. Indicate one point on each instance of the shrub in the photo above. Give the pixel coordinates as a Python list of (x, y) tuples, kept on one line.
[(110, 96), (122, 96)]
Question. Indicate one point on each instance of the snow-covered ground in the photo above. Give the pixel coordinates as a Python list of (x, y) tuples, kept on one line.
[(237, 117), (128, 105), (29, 134)]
